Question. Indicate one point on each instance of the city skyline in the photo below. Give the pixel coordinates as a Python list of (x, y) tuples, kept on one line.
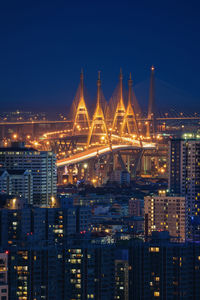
[(99, 150)]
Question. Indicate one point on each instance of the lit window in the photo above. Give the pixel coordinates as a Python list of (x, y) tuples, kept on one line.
[(154, 249), (157, 279)]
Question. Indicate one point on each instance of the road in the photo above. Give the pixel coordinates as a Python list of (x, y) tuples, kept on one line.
[(91, 153)]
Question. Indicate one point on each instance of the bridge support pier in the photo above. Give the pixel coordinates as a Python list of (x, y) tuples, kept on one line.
[(70, 175), (137, 162)]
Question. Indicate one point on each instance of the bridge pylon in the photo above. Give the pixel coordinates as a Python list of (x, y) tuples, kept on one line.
[(151, 106), (120, 110), (130, 122), (81, 119), (98, 122)]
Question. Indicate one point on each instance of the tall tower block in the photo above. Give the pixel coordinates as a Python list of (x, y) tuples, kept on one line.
[(120, 108), (98, 122), (81, 119), (151, 107), (129, 122)]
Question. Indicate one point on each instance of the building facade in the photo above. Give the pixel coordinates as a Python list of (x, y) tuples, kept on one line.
[(4, 275), (17, 183), (41, 164), (53, 225), (166, 212), (160, 269), (89, 269), (184, 173)]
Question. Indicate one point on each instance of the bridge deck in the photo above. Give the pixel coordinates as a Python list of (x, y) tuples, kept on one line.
[(91, 153)]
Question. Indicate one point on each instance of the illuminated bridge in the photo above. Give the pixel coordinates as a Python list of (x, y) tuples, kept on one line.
[(94, 142), (94, 152), (121, 115)]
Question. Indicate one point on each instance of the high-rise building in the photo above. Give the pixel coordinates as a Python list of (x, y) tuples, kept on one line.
[(4, 275), (52, 225), (121, 275), (17, 183), (160, 269), (166, 212), (82, 271), (184, 172), (36, 273), (91, 268), (42, 165)]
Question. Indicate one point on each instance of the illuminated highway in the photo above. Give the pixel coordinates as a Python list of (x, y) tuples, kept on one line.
[(178, 116), (91, 153), (34, 122)]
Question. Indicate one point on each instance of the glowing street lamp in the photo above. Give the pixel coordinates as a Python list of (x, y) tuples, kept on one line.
[(53, 201), (14, 203)]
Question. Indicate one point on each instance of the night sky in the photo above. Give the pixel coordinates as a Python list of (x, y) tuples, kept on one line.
[(44, 45)]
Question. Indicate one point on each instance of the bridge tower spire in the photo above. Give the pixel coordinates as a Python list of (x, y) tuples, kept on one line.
[(120, 108), (81, 114), (98, 121), (81, 82), (151, 106), (129, 120)]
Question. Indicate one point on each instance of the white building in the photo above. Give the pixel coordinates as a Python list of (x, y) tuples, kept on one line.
[(17, 183), (42, 165)]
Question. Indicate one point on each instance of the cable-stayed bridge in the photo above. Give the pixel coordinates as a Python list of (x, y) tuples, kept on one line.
[(115, 128)]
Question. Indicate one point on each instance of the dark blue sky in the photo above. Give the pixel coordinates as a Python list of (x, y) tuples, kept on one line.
[(44, 44)]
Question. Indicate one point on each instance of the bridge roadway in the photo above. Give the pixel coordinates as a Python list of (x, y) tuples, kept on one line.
[(163, 117), (91, 153)]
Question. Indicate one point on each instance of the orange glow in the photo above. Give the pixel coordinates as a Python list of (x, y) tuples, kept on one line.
[(87, 154), (162, 170)]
